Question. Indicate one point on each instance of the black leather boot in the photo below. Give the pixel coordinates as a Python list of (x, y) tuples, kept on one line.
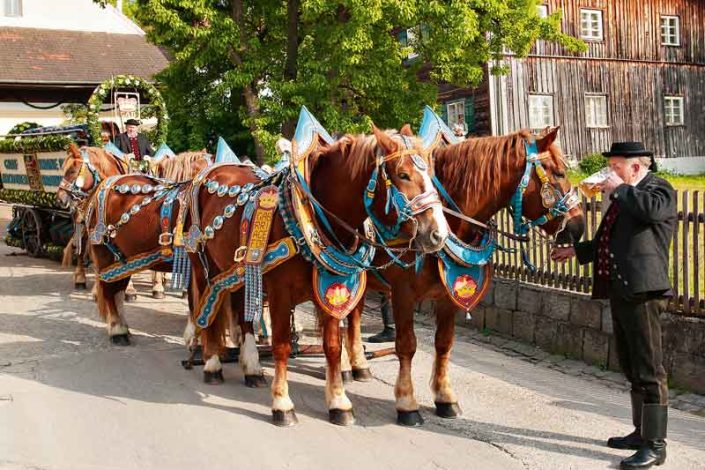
[(654, 421), (633, 440), (387, 335)]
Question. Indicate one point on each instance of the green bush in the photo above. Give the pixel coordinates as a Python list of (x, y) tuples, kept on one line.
[(592, 163)]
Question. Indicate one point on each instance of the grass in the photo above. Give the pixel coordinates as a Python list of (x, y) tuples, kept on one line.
[(679, 182)]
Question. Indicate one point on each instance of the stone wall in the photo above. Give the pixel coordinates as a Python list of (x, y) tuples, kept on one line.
[(572, 324)]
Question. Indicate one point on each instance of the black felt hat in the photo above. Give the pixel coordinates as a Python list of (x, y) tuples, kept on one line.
[(132, 122), (630, 150)]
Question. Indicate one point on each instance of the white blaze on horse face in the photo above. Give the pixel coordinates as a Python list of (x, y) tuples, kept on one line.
[(438, 217)]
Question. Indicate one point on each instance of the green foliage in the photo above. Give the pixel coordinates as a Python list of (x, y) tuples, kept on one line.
[(29, 198), (592, 163), (156, 108), (74, 113), (47, 143), (21, 127), (233, 73)]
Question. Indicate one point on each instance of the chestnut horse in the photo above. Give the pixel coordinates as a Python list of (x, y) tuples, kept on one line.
[(481, 175), (340, 174), (137, 235)]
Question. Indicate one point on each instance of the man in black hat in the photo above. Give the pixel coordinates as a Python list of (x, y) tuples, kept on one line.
[(132, 142), (630, 254)]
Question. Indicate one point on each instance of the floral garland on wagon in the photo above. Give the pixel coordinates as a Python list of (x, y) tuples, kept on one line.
[(156, 108)]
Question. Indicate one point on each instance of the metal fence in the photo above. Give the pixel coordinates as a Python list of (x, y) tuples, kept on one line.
[(687, 261)]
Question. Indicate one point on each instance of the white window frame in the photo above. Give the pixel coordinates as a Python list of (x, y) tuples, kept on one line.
[(674, 110), (454, 109), (541, 115), (670, 32), (12, 8), (543, 11), (591, 34), (596, 118)]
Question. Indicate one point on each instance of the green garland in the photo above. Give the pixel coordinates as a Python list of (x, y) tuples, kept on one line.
[(102, 92), (49, 143), (23, 126), (50, 250), (29, 198)]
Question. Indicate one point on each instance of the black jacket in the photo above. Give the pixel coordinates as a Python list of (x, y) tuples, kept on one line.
[(123, 143), (640, 240)]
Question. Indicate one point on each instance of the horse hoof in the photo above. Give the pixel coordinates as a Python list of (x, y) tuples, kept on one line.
[(362, 375), (120, 340), (79, 285), (409, 418), (255, 381), (284, 418), (130, 297), (448, 410), (347, 376), (158, 295), (341, 417), (213, 378)]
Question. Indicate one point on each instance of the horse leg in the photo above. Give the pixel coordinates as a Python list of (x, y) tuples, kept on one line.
[(249, 355), (213, 343), (283, 413), (339, 406), (406, 404), (353, 343), (130, 292), (111, 306), (157, 285), (79, 275), (346, 372), (444, 397)]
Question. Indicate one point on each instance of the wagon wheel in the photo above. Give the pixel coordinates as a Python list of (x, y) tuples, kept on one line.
[(31, 226)]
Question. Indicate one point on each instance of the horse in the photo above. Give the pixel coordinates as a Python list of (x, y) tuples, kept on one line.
[(82, 172), (340, 174), (481, 175), (145, 243)]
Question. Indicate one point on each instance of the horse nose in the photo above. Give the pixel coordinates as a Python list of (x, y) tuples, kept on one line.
[(436, 237)]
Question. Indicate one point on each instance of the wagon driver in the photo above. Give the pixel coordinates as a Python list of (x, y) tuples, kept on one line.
[(630, 268), (132, 142)]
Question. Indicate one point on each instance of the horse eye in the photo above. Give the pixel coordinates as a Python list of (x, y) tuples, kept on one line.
[(559, 174), (404, 176)]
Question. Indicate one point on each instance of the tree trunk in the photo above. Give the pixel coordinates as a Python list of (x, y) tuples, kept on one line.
[(292, 54), (249, 92)]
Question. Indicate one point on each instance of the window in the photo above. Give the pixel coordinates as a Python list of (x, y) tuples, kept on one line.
[(596, 110), (670, 31), (540, 111), (456, 113), (591, 24), (13, 7), (407, 38), (674, 110), (543, 11)]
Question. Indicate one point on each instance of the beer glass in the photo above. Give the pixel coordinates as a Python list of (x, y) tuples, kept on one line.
[(590, 186)]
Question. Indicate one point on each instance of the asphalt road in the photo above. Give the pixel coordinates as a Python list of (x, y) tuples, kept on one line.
[(70, 400)]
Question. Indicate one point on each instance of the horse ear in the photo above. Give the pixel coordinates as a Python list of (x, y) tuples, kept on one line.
[(548, 138), (406, 130), (73, 149), (386, 142)]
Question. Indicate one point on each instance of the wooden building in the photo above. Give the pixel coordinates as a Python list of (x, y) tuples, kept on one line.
[(642, 78)]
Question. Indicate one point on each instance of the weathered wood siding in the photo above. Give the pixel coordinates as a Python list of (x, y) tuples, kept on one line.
[(631, 67), (635, 109), (480, 96)]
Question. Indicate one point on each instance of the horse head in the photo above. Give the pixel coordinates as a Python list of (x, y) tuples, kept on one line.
[(79, 177), (550, 201)]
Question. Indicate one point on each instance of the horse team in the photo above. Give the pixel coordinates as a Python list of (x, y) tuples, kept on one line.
[(481, 176)]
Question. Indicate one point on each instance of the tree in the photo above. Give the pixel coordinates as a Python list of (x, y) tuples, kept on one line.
[(256, 62)]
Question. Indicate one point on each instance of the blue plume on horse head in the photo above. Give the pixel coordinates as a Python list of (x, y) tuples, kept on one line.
[(224, 154), (307, 127), (431, 126), (163, 151), (112, 148)]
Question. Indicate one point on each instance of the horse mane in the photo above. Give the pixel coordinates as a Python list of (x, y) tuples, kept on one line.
[(102, 160), (475, 166), (359, 151), (182, 167)]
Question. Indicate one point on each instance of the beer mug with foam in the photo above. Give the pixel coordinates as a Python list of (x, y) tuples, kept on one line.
[(590, 186)]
